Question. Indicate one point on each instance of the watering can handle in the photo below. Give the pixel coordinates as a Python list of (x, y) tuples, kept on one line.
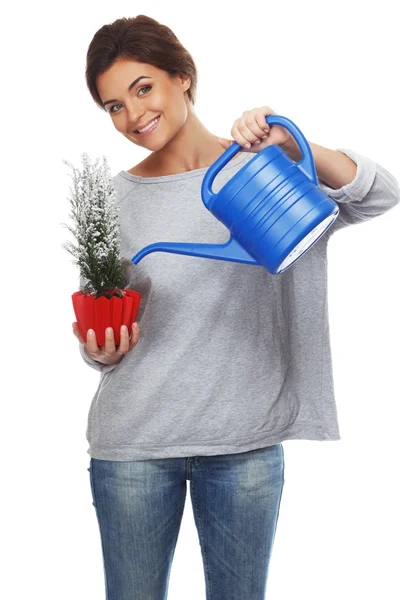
[(306, 164)]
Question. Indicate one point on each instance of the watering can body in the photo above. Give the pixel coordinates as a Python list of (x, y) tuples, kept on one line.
[(273, 208)]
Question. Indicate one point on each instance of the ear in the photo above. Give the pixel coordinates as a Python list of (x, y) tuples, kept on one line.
[(186, 81)]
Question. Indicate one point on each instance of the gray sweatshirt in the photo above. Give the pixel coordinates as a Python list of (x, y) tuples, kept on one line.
[(230, 357)]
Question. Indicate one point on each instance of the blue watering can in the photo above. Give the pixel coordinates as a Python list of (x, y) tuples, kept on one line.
[(272, 206)]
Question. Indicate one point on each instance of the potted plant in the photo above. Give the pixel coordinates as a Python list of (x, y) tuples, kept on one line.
[(101, 301)]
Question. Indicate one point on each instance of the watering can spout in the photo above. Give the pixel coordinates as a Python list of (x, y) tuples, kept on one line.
[(231, 251)]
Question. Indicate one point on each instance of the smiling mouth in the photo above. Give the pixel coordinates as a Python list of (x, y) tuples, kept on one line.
[(154, 124)]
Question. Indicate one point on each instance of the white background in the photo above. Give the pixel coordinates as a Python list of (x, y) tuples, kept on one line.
[(332, 67)]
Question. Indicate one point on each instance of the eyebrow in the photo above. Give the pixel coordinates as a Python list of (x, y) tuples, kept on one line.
[(129, 88)]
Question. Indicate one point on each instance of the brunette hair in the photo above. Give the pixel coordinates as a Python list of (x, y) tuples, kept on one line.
[(142, 39)]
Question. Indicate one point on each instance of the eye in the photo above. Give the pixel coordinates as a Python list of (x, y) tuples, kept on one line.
[(144, 87), (113, 106), (140, 89)]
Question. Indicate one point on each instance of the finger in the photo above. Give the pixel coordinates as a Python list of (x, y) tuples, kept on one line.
[(261, 115), (256, 122), (91, 343), (134, 336), (262, 123), (109, 345), (124, 340), (243, 136), (247, 129), (246, 140), (225, 143)]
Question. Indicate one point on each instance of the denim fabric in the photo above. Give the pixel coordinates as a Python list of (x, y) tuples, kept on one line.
[(139, 507)]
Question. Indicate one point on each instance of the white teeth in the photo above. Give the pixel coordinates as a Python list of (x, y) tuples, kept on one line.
[(149, 125)]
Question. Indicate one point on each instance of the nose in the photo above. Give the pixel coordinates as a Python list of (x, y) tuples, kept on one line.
[(135, 114)]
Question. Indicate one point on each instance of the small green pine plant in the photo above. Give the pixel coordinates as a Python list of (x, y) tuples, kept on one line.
[(96, 229)]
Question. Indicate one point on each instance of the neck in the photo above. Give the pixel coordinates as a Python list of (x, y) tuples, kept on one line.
[(193, 147)]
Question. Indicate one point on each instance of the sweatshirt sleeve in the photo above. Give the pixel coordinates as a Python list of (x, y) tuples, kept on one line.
[(372, 192)]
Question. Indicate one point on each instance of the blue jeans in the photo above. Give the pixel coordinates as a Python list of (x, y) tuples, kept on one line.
[(139, 507)]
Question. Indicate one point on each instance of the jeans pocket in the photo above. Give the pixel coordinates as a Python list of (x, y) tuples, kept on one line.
[(91, 483)]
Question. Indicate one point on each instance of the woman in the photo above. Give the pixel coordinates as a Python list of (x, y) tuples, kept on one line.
[(232, 360)]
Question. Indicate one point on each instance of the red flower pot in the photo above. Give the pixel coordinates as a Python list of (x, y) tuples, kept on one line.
[(99, 313)]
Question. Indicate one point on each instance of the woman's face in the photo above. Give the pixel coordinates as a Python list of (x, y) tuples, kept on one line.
[(157, 94)]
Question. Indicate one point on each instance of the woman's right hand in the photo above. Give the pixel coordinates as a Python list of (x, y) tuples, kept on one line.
[(109, 354)]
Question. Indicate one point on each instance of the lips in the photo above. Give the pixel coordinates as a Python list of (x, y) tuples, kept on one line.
[(148, 122)]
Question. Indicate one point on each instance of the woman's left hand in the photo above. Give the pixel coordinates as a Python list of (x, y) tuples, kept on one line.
[(253, 132)]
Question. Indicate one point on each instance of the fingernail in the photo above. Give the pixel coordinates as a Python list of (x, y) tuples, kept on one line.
[(90, 332), (109, 330), (257, 142), (124, 329), (247, 145), (135, 325)]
